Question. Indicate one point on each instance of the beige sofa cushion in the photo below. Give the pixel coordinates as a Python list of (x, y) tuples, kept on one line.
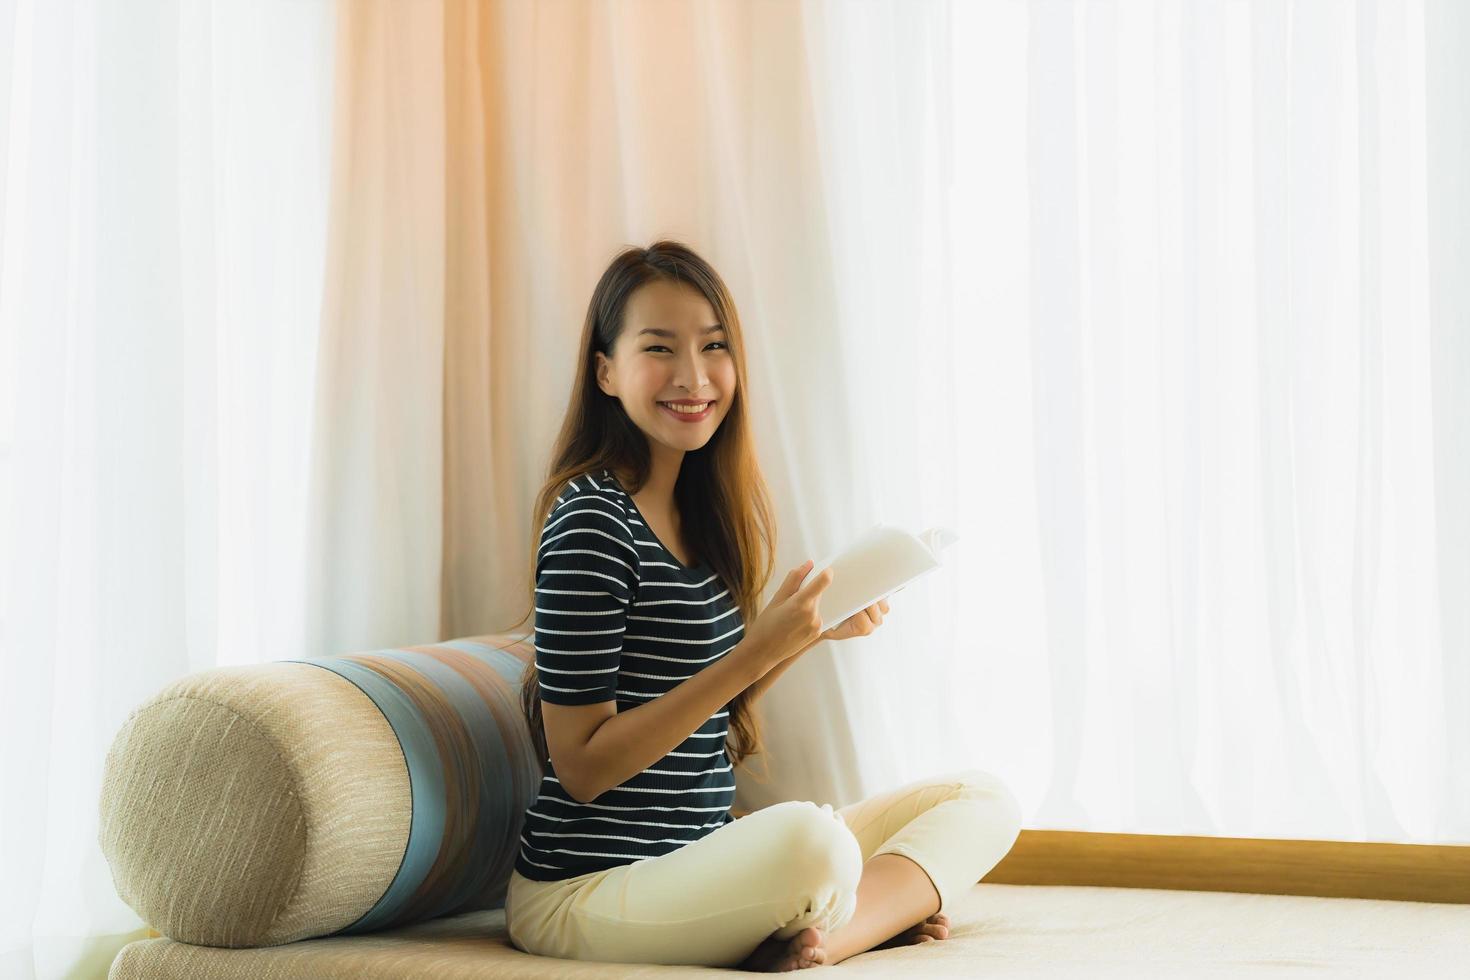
[(246, 806), (1014, 931), (259, 805)]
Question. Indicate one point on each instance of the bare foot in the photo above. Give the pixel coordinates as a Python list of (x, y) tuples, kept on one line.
[(779, 955), (934, 928)]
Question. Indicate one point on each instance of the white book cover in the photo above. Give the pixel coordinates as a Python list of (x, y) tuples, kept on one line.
[(877, 564)]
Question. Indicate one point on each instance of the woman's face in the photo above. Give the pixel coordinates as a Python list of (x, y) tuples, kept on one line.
[(668, 353)]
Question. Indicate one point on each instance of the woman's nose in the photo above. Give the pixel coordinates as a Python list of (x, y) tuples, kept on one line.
[(692, 372)]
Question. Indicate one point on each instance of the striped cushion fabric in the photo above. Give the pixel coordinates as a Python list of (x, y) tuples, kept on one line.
[(258, 805), (472, 768)]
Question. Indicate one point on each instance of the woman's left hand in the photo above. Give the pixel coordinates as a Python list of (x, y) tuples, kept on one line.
[(860, 623)]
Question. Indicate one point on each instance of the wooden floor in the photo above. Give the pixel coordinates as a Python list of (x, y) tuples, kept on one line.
[(1332, 869)]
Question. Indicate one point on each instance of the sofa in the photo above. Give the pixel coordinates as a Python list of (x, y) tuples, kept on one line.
[(358, 816), (342, 816)]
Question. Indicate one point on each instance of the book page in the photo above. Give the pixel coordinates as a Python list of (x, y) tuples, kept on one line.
[(877, 564)]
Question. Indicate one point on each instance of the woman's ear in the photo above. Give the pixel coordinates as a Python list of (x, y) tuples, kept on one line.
[(604, 374)]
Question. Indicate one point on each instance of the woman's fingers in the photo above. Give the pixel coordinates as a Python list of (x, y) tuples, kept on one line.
[(861, 623)]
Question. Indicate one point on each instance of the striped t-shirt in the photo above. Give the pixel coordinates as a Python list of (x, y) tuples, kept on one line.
[(618, 617)]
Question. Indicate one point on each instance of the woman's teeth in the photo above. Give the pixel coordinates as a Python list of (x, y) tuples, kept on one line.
[(686, 409)]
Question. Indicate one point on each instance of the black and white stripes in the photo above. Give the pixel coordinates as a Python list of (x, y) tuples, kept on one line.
[(619, 618)]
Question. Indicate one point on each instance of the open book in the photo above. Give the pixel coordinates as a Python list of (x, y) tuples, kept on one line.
[(880, 562)]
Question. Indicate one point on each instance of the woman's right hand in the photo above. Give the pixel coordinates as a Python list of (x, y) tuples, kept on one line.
[(791, 622)]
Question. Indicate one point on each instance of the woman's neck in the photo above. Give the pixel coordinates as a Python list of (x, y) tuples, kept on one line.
[(657, 493)]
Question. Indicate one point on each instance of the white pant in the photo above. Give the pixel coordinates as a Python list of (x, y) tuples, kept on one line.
[(772, 872)]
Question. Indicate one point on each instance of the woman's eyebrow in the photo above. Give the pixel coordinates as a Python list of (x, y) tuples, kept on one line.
[(669, 333)]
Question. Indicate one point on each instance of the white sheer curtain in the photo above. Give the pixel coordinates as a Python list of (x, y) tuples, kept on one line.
[(1138, 297), (1159, 304), (163, 187)]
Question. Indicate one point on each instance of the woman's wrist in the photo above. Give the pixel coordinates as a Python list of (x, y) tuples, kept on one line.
[(757, 656)]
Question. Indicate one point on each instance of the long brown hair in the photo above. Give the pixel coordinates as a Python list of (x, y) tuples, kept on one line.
[(725, 512)]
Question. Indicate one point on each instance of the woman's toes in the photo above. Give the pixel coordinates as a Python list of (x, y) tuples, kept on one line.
[(934, 930), (806, 946)]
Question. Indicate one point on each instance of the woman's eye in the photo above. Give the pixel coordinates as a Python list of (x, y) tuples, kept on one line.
[(717, 343)]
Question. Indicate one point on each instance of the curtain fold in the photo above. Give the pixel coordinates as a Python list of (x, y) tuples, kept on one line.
[(1430, 252), (162, 229), (375, 476), (1159, 305)]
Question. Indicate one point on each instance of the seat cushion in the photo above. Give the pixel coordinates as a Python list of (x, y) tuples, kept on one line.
[(1008, 931)]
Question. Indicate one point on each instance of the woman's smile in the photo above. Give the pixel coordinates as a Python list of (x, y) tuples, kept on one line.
[(685, 414)]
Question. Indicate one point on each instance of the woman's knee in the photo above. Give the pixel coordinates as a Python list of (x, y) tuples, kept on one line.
[(977, 784), (814, 846)]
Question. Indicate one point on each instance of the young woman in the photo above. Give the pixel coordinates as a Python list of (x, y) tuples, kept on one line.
[(655, 542)]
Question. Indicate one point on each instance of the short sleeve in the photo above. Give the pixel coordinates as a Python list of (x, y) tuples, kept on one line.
[(586, 578)]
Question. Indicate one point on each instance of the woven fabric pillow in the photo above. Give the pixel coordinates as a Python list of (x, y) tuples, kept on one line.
[(260, 805)]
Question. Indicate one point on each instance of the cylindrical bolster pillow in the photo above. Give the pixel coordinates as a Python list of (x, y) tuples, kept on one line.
[(260, 805)]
